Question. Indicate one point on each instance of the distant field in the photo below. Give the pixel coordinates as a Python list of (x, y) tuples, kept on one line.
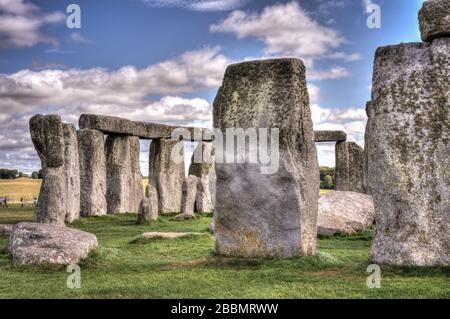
[(20, 187), (29, 188)]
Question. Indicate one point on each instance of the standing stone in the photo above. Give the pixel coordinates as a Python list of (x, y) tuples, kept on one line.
[(152, 194), (47, 135), (434, 19), (260, 215), (124, 181), (349, 167), (72, 171), (203, 166), (92, 172), (408, 145), (189, 192), (166, 174)]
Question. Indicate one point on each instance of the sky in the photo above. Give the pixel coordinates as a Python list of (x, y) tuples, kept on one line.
[(163, 60)]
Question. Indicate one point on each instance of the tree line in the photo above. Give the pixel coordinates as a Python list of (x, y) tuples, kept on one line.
[(326, 177), (13, 174)]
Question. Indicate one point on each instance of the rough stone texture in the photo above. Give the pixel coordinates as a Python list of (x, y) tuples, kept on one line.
[(124, 180), (344, 212), (5, 230), (116, 125), (434, 19), (166, 175), (158, 235), (92, 172), (47, 135), (72, 171), (203, 166), (259, 215), (408, 145), (33, 243), (349, 167), (330, 136), (144, 211), (189, 193), (152, 194)]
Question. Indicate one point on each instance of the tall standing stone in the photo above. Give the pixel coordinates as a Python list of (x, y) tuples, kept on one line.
[(166, 174), (408, 145), (203, 166), (258, 215), (91, 147), (124, 181), (349, 167), (47, 134), (72, 171), (148, 209), (434, 19)]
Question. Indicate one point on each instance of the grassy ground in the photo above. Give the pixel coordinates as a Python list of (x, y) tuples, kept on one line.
[(187, 268)]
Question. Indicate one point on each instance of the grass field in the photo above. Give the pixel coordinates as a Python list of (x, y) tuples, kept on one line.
[(29, 188), (188, 268), (21, 187)]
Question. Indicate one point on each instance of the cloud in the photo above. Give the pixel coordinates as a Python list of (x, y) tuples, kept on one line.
[(21, 23), (288, 30), (336, 72), (148, 94), (78, 38), (199, 5)]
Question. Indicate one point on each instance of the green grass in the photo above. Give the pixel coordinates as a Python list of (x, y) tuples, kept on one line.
[(188, 268)]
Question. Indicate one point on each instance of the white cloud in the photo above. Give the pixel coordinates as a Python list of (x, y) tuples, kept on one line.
[(21, 23), (199, 5), (336, 72), (284, 29), (149, 94), (288, 30), (78, 38)]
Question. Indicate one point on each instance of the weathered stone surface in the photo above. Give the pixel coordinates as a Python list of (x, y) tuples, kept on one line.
[(434, 19), (5, 230), (144, 211), (408, 143), (345, 213), (158, 235), (92, 172), (33, 243), (258, 215), (330, 136), (349, 167), (167, 175), (47, 135), (203, 166), (124, 180), (72, 171), (189, 193), (152, 194), (48, 139), (116, 125)]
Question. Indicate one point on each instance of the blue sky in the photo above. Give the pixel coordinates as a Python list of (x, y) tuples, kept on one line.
[(163, 60)]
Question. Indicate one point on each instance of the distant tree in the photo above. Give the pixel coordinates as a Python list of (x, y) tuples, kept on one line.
[(328, 182), (35, 175), (8, 173), (22, 174)]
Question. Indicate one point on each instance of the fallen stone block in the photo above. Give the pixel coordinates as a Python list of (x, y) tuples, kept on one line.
[(34, 244), (344, 213)]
